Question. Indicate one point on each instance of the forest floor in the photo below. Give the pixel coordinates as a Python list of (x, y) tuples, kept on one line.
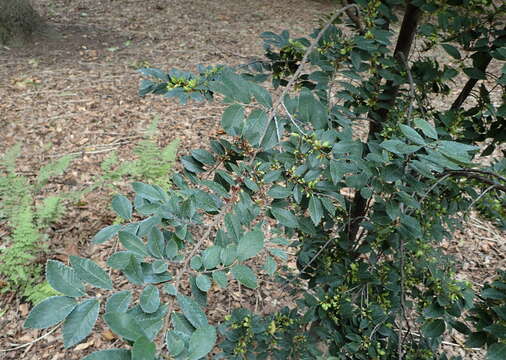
[(76, 93)]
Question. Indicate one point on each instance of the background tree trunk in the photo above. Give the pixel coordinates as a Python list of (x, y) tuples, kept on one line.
[(18, 21)]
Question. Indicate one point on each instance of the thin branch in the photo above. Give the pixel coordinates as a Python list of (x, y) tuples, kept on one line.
[(473, 174), (33, 341)]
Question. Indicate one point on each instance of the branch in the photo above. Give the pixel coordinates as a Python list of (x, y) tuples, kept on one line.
[(477, 175)]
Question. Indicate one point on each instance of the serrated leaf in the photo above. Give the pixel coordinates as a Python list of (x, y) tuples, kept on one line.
[(279, 253), (143, 349), (202, 342), (106, 233), (120, 260), (122, 206), (220, 277), (170, 289), (399, 147), (79, 324), (229, 254), (159, 266), (250, 245), (412, 135), (133, 243), (245, 276), (285, 217), (90, 272), (124, 325), (181, 325), (156, 243), (171, 249), (174, 343), (203, 282), (64, 279), (426, 128), (150, 299), (196, 262), (192, 311), (211, 257), (119, 301), (50, 312), (110, 354), (133, 271), (148, 192)]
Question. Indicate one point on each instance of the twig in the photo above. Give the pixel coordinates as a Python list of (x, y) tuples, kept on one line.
[(298, 72), (33, 341)]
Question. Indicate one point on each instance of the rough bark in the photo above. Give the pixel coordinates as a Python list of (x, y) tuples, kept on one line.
[(18, 21)]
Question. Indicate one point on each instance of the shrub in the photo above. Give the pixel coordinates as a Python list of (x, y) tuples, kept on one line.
[(364, 214)]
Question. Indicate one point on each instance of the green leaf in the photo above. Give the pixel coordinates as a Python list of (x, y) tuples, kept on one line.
[(315, 210), (285, 217), (170, 289), (122, 206), (203, 282), (250, 245), (64, 279), (133, 243), (119, 301), (412, 135), (120, 260), (159, 266), (50, 312), (211, 257), (279, 253), (124, 325), (79, 324), (196, 262), (426, 128), (171, 249), (156, 243), (475, 73), (496, 351), (133, 271), (232, 119), (220, 277), (312, 110), (452, 51), (106, 233), (491, 293), (148, 192), (434, 328), (111, 354), (150, 299), (202, 342), (143, 349), (203, 156), (270, 265), (181, 325), (262, 96), (245, 276), (192, 311), (174, 343), (254, 126), (279, 192), (90, 272), (228, 254), (399, 147)]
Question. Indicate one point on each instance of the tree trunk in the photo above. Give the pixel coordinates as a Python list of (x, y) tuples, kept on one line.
[(18, 21)]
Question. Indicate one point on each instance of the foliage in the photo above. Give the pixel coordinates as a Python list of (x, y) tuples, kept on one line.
[(28, 221), (153, 164), (364, 215)]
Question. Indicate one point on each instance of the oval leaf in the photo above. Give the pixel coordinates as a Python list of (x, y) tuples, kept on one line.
[(90, 272), (119, 302), (122, 206), (150, 299), (143, 349), (250, 245), (203, 282), (192, 311), (245, 276), (80, 322), (105, 234), (202, 342), (111, 354), (50, 312), (64, 279), (133, 243), (124, 325)]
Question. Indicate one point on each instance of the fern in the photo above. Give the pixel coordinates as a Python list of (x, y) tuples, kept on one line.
[(40, 292), (26, 221), (153, 164)]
